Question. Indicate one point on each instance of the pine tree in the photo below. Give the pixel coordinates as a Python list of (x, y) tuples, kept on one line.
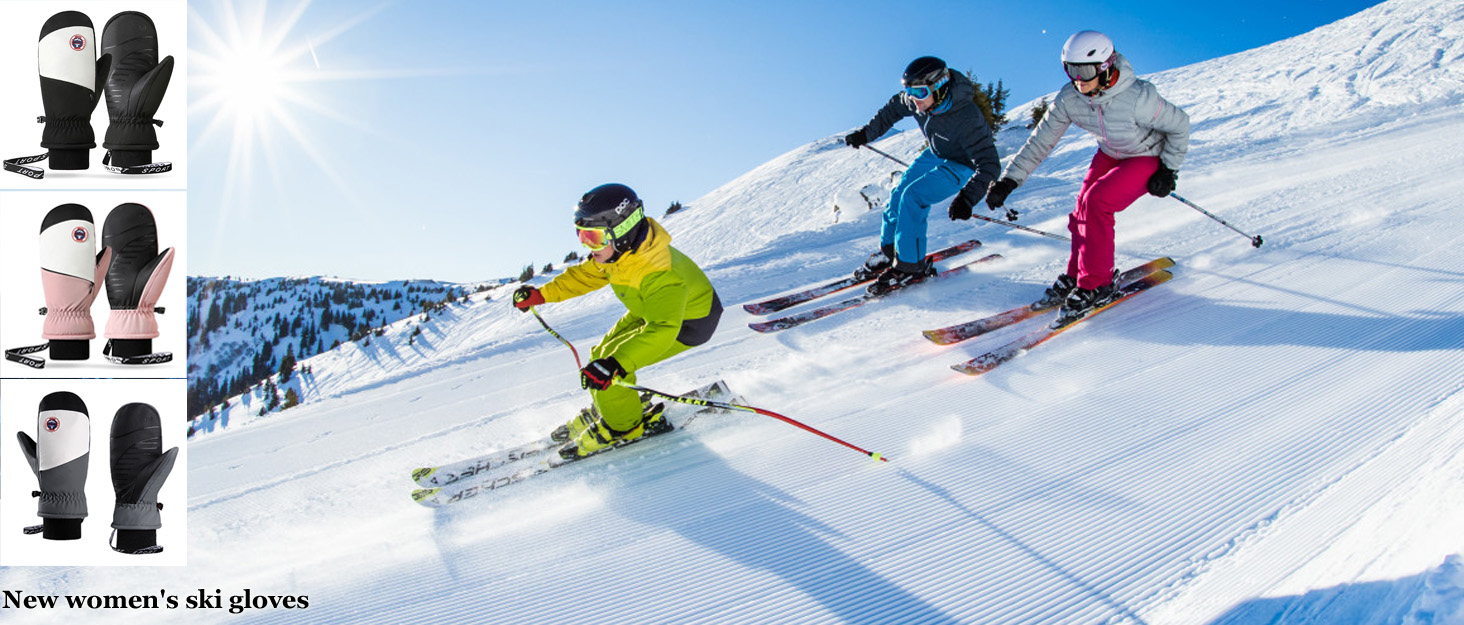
[(287, 365), (1038, 112), (991, 101), (527, 273), (291, 399), (675, 206)]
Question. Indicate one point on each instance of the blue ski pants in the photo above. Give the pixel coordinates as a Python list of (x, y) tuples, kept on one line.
[(929, 179)]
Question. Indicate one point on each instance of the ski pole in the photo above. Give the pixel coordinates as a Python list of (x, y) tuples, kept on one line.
[(1021, 227), (1255, 240), (707, 403), (995, 221), (882, 153), (577, 363)]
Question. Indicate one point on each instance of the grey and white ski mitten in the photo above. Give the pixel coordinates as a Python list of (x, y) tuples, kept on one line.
[(58, 456), (135, 281), (139, 468), (135, 89), (71, 83)]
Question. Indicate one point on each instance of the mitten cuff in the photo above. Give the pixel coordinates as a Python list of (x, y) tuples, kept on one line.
[(61, 529), (137, 541), (69, 349), (127, 348), (136, 323), (67, 159), (131, 158)]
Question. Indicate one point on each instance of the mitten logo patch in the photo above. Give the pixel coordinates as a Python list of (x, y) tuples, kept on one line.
[(79, 234), (52, 424), (78, 42)]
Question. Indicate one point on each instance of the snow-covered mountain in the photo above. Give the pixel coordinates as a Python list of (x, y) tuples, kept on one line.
[(240, 332), (1274, 436)]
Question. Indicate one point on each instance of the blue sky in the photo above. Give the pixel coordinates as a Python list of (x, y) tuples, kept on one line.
[(450, 140)]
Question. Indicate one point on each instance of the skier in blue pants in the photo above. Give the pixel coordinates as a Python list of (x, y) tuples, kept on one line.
[(960, 158)]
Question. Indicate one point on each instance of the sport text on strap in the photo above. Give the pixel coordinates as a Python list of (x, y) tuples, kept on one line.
[(154, 358), (18, 164), (18, 354)]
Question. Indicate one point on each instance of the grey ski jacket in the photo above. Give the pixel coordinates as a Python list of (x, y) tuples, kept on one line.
[(1131, 119)]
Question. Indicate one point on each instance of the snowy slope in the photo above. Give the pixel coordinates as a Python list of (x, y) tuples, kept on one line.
[(1275, 436)]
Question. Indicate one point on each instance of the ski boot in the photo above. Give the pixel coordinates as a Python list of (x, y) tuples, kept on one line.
[(895, 278), (573, 427), (878, 262), (599, 436), (1057, 293), (1083, 301)]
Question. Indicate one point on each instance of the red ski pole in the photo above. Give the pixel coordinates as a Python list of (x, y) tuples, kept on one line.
[(707, 403)]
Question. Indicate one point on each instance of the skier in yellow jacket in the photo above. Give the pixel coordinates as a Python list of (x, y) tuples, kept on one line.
[(671, 307)]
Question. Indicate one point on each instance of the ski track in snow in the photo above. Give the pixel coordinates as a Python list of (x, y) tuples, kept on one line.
[(1274, 436)]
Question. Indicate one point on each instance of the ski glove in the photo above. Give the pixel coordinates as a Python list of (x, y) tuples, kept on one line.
[(997, 193), (967, 198), (58, 456), (139, 468), (71, 276), (1161, 184), (71, 83), (600, 374), (855, 139), (135, 89), (527, 297), (135, 281)]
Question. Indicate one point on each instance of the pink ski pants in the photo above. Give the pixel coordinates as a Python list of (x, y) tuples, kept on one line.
[(1110, 186)]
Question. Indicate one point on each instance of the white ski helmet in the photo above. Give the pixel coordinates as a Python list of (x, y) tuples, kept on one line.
[(1089, 53), (1087, 46)]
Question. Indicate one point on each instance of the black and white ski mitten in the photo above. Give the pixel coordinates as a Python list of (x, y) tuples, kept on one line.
[(135, 89), (71, 83)]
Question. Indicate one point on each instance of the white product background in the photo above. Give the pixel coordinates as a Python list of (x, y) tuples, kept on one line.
[(20, 135), (21, 296), (19, 401)]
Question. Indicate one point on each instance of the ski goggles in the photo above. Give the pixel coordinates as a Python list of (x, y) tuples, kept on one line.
[(1086, 71), (597, 238), (921, 92)]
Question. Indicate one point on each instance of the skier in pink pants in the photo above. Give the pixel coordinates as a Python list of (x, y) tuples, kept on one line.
[(1142, 140)]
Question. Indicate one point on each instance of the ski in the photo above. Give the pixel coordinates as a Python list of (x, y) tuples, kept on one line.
[(990, 360), (783, 323), (455, 482), (950, 335), (793, 299), (493, 480)]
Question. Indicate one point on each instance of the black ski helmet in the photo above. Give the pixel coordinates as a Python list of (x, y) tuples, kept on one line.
[(928, 71), (615, 207)]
